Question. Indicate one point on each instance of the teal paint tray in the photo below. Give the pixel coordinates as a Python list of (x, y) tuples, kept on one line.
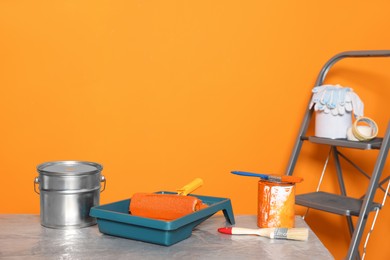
[(114, 219)]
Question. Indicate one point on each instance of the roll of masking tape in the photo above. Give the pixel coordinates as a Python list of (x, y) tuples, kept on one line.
[(363, 129), (365, 132), (350, 135)]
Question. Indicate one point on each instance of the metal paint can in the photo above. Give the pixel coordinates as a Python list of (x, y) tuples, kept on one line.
[(276, 201), (68, 190)]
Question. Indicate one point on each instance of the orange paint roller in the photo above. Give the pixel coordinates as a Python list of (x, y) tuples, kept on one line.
[(167, 206)]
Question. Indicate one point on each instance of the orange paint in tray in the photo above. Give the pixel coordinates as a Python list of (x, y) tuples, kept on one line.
[(276, 202)]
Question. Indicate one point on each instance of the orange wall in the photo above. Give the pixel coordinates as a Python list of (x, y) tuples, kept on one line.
[(161, 92)]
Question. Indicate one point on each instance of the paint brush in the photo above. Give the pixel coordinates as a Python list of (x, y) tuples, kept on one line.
[(301, 234), (272, 178)]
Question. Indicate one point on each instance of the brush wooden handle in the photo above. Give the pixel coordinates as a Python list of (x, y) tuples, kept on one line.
[(190, 187), (243, 231)]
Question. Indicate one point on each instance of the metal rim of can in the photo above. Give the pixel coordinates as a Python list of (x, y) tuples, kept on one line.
[(69, 167)]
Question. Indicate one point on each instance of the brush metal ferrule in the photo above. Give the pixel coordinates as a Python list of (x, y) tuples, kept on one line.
[(273, 178), (279, 233)]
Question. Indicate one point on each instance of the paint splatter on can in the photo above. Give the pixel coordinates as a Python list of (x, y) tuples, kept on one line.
[(276, 201)]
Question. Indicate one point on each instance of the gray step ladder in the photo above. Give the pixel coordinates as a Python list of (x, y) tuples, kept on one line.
[(342, 204)]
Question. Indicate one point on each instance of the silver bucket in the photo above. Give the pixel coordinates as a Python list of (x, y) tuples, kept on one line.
[(68, 190)]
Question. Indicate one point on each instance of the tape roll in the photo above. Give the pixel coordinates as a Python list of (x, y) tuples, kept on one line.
[(350, 135), (364, 133)]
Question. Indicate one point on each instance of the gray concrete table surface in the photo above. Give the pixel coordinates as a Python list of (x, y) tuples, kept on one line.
[(23, 237)]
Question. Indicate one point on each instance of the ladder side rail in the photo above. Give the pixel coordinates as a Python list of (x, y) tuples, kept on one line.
[(299, 141), (369, 197), (348, 54)]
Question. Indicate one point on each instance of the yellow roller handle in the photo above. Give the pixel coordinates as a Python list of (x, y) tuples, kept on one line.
[(190, 187)]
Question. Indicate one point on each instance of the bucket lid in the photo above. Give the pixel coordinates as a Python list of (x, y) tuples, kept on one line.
[(69, 167)]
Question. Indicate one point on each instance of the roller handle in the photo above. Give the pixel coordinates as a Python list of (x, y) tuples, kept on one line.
[(190, 187)]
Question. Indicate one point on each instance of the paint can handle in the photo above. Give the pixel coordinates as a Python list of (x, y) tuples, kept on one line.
[(36, 181), (103, 179)]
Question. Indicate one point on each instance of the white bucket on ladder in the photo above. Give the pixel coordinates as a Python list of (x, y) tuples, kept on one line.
[(330, 126), (334, 106)]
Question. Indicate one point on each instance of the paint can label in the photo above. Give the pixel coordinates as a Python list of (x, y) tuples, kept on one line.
[(276, 203)]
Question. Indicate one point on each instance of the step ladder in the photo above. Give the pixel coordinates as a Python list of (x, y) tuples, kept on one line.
[(342, 204)]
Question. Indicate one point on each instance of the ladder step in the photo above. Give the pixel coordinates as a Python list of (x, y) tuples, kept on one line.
[(333, 203), (366, 145)]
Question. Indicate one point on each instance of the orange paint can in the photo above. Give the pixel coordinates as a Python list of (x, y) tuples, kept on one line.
[(276, 201)]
